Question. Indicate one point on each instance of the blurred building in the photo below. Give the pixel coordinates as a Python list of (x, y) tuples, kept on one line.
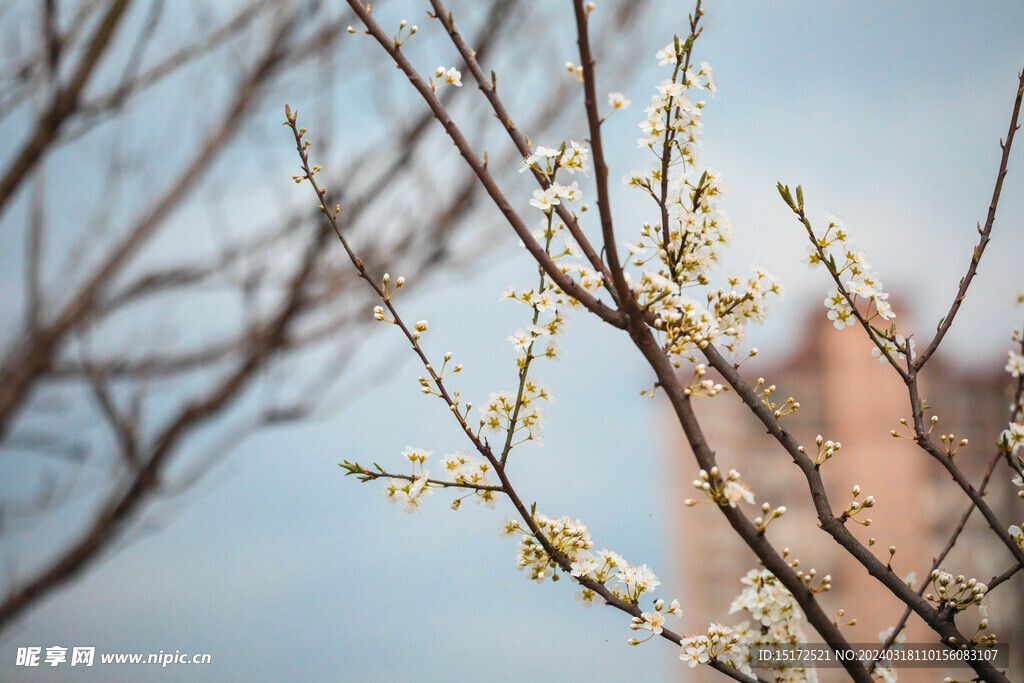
[(846, 395)]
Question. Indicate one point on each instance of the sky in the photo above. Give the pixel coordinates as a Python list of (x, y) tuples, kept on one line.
[(888, 114)]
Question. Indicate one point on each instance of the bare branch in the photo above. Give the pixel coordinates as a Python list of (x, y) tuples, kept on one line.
[(63, 105), (567, 284), (625, 296), (984, 233), (490, 91)]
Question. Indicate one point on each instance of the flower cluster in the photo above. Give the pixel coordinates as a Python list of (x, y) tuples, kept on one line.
[(518, 412), (727, 492), (958, 592), (895, 347), (572, 538), (850, 264), (409, 492), (635, 579), (504, 415), (700, 385), (1013, 436), (443, 77), (548, 298), (652, 621), (576, 70), (788, 407), (463, 470), (722, 643), (777, 618), (605, 565), (887, 673), (826, 449), (672, 114), (678, 252), (1017, 535), (566, 535), (618, 101), (547, 200), (771, 605), (856, 507), (547, 160), (1015, 366)]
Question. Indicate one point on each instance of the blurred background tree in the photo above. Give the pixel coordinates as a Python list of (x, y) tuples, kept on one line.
[(164, 294)]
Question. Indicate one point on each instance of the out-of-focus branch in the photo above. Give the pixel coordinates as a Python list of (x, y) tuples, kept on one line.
[(64, 104), (35, 354), (45, 57), (123, 502), (923, 439), (135, 81)]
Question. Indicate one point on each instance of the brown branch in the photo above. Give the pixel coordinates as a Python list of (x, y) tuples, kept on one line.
[(565, 282), (44, 58), (369, 475), (24, 367), (557, 556), (134, 82), (35, 355), (984, 233), (922, 438), (95, 110), (34, 299), (121, 505), (937, 562), (64, 105), (625, 296), (873, 334), (669, 141), (1005, 576), (490, 90), (835, 526), (125, 428), (753, 537)]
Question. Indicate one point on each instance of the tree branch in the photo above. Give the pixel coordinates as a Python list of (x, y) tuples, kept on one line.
[(64, 105), (984, 233)]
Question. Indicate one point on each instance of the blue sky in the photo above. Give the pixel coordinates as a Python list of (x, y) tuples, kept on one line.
[(888, 114)]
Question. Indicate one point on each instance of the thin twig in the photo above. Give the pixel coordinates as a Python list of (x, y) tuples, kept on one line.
[(984, 233), (923, 439), (64, 105), (625, 296), (937, 562), (490, 90)]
